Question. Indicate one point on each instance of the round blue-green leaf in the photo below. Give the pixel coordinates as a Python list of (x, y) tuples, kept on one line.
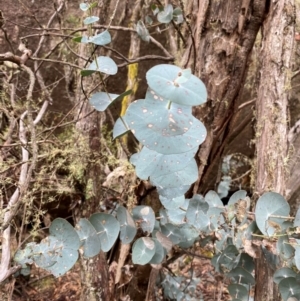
[(240, 275), (101, 100), (166, 15), (163, 79), (172, 232), (224, 186), (89, 238), (107, 228), (158, 118), (197, 213), (172, 203), (289, 287), (271, 203), (184, 76), (103, 64), (283, 273), (216, 218), (238, 195), (284, 248), (84, 6), (101, 39), (145, 216), (64, 232), (176, 216), (159, 254), (90, 20), (213, 200), (149, 163), (143, 250), (45, 253), (188, 236), (64, 262), (144, 123), (187, 176), (177, 15), (163, 217), (164, 241), (142, 31), (172, 192), (128, 228), (23, 257), (297, 257), (246, 262), (230, 257), (238, 291), (120, 128), (297, 219)]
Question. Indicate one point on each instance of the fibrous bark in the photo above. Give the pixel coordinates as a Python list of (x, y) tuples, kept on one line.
[(272, 117)]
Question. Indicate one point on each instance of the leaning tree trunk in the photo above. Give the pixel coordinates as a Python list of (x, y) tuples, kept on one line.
[(272, 118)]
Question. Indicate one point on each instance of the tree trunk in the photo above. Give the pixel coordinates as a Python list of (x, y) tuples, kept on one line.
[(272, 117), (225, 32)]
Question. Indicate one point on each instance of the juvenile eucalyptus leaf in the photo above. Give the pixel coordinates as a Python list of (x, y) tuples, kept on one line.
[(271, 203), (162, 79), (297, 219), (46, 252), (164, 241), (145, 216), (101, 39), (240, 275), (289, 287), (176, 216), (145, 123), (143, 250), (178, 15), (197, 213), (90, 240), (159, 254), (163, 217), (246, 262), (284, 248), (90, 20), (188, 236), (64, 232), (238, 195), (64, 262), (166, 15), (23, 257), (283, 273), (102, 64), (120, 128), (183, 76), (172, 232), (230, 257), (149, 163), (101, 100), (84, 6), (224, 186), (107, 228), (238, 291), (128, 228), (173, 203), (172, 192), (142, 31), (297, 257)]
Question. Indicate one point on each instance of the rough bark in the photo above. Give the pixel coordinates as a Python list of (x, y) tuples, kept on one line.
[(272, 116), (225, 32), (94, 272)]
